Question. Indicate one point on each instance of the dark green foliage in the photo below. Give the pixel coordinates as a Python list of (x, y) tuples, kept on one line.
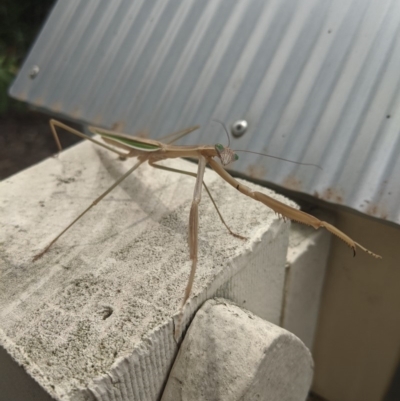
[(20, 22)]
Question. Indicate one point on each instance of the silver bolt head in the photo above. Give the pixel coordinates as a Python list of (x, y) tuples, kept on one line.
[(239, 128), (34, 72)]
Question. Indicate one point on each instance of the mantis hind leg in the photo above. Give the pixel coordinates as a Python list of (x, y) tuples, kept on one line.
[(55, 123), (173, 170), (94, 203)]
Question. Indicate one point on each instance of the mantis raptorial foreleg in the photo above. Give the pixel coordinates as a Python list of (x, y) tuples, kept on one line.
[(174, 170), (194, 225), (194, 260), (154, 151), (285, 210)]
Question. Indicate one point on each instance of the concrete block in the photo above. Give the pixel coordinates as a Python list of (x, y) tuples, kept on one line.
[(94, 318), (307, 261), (230, 354)]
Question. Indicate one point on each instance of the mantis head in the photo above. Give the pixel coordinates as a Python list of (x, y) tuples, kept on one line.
[(226, 155)]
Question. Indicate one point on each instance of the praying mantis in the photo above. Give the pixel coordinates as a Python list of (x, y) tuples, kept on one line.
[(152, 151)]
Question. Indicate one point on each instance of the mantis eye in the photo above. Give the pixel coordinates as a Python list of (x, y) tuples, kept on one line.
[(219, 148), (226, 155)]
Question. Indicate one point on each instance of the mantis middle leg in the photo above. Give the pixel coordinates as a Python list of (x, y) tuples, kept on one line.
[(174, 170)]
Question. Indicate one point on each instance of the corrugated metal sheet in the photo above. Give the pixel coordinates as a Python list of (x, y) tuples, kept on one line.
[(318, 82)]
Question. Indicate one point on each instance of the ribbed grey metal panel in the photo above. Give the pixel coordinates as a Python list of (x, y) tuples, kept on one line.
[(318, 82)]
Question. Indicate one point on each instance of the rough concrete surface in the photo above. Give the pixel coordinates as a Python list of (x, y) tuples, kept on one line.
[(307, 262), (94, 314), (231, 354)]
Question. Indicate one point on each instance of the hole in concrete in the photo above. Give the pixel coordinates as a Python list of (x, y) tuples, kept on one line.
[(107, 312)]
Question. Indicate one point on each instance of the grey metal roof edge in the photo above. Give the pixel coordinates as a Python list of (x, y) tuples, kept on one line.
[(317, 82)]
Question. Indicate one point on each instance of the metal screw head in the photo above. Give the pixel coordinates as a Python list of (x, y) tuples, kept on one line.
[(239, 127), (34, 72)]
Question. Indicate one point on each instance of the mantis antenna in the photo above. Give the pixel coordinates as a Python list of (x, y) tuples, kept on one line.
[(263, 154), (152, 151)]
